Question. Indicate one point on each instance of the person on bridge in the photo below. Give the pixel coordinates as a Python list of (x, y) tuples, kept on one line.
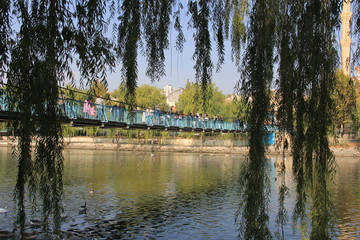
[(100, 107), (62, 102)]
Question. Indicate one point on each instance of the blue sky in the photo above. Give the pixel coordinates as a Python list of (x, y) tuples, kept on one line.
[(179, 68)]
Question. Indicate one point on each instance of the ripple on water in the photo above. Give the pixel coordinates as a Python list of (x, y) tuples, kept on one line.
[(175, 197)]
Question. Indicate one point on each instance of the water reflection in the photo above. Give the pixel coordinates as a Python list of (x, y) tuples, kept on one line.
[(173, 195)]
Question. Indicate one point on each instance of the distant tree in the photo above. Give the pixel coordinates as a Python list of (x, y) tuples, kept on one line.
[(119, 93), (98, 88), (150, 96), (344, 98), (145, 96), (236, 108), (37, 56), (356, 123), (75, 93), (186, 102), (189, 100)]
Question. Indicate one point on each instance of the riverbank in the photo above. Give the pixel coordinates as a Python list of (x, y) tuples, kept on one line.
[(346, 148)]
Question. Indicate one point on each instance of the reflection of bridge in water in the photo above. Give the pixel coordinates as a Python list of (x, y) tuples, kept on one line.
[(84, 113)]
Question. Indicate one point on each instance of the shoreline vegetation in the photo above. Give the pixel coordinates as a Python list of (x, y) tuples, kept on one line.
[(345, 147)]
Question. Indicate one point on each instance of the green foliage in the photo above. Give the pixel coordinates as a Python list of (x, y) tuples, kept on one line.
[(344, 99), (257, 75), (237, 107), (119, 93), (156, 22), (98, 89), (69, 131), (200, 18), (74, 93), (189, 100), (356, 121), (128, 41), (150, 96), (37, 59), (41, 55), (91, 131), (305, 102), (236, 11), (145, 96), (5, 29)]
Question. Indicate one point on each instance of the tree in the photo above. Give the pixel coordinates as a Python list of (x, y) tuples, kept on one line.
[(36, 58), (120, 93), (189, 100), (344, 98), (150, 96), (255, 87), (74, 93), (236, 107), (97, 88), (145, 96), (306, 47)]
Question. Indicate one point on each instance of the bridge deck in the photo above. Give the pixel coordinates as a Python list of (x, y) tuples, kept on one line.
[(78, 113)]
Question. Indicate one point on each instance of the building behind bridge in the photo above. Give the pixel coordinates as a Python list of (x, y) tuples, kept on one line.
[(172, 94)]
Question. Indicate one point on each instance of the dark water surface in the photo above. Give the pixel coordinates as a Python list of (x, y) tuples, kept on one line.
[(172, 195)]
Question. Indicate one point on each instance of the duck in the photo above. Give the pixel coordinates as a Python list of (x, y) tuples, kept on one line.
[(91, 191), (63, 214), (36, 223), (6, 234), (3, 210), (82, 209)]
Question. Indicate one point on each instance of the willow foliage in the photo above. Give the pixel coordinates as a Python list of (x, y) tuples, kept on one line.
[(37, 58), (41, 53), (305, 103), (5, 30), (156, 21), (257, 76)]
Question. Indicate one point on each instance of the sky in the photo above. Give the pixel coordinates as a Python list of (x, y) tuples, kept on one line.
[(179, 68)]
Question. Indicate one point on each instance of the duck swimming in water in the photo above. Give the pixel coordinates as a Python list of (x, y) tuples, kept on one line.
[(3, 210), (36, 223), (82, 209), (91, 191)]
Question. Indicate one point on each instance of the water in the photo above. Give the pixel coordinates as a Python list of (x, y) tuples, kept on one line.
[(171, 195)]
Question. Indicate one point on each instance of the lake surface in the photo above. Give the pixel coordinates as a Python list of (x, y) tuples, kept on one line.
[(173, 195)]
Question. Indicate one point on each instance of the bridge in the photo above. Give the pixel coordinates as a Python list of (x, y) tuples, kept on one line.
[(85, 113)]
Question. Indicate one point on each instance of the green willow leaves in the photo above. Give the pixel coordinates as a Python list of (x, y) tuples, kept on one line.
[(255, 87), (41, 54), (294, 38), (306, 83)]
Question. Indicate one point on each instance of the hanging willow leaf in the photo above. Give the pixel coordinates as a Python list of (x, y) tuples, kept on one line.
[(5, 38), (235, 12), (257, 75), (199, 11), (180, 38), (156, 17), (306, 81), (128, 41), (93, 47)]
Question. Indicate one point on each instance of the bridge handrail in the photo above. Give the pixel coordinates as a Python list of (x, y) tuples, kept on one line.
[(105, 113), (76, 109)]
